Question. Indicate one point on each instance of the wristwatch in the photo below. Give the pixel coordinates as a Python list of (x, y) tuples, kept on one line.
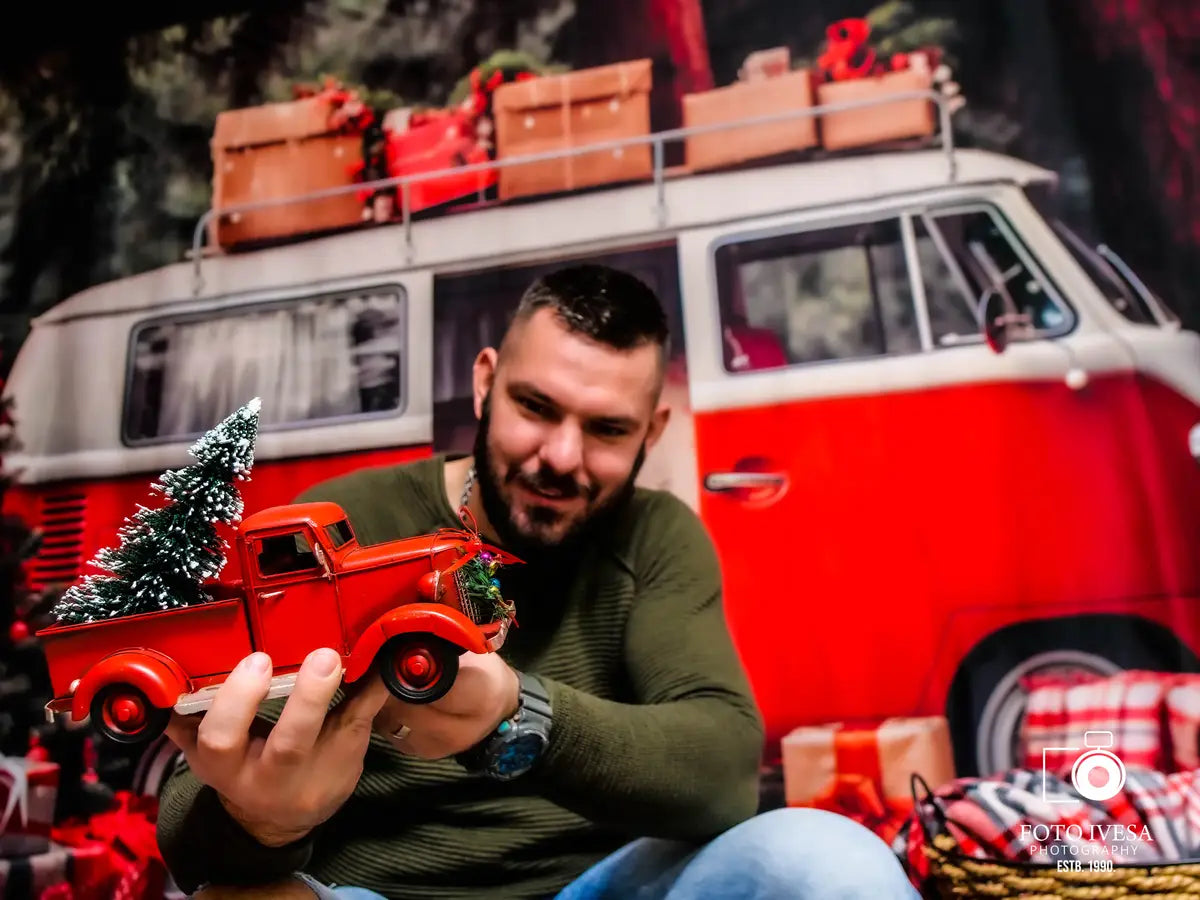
[(517, 743)]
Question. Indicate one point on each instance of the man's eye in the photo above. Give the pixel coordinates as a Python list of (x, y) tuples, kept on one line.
[(533, 406), (608, 430)]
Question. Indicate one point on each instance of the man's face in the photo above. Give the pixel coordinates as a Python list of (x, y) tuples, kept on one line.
[(565, 423)]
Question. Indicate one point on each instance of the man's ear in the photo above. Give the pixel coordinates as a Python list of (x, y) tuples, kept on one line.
[(483, 376), (658, 423)]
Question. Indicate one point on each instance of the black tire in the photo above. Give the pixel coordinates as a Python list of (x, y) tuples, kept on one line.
[(440, 655), (149, 723), (985, 681)]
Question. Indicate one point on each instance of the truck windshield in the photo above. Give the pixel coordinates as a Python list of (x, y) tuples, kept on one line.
[(1133, 301)]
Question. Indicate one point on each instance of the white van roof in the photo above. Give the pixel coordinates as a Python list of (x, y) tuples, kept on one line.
[(505, 233)]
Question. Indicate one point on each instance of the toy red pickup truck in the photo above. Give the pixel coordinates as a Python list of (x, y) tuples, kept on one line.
[(305, 583)]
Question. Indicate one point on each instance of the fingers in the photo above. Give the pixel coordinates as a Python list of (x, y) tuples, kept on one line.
[(225, 728), (182, 730), (303, 716)]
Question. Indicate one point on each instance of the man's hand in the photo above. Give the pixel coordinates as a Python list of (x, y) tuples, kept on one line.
[(486, 692), (282, 785)]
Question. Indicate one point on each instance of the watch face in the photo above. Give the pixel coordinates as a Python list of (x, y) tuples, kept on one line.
[(518, 755)]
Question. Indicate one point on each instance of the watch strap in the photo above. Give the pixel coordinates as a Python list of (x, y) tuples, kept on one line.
[(533, 707)]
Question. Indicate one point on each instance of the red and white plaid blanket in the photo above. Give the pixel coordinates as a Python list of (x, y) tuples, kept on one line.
[(1129, 707), (1154, 819)]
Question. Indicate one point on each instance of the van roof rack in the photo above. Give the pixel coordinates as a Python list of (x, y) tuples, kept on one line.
[(657, 141)]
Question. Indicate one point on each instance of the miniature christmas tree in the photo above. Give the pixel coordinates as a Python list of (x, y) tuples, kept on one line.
[(167, 553)]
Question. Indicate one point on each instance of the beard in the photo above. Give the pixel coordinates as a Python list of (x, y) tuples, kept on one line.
[(531, 544)]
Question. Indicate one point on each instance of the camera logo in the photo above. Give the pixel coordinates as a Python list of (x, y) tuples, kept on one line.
[(1098, 774)]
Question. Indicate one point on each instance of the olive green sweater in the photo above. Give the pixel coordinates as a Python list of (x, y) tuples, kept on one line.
[(655, 732)]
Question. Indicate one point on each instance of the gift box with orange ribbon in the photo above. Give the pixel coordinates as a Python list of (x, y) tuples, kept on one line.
[(863, 772)]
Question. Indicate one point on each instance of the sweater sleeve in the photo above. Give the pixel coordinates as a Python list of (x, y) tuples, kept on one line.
[(202, 844), (682, 760)]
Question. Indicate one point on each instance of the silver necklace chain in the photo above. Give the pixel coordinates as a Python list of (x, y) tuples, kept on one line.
[(467, 487)]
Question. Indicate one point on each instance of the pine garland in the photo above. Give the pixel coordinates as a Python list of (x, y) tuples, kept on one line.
[(479, 581), (166, 554)]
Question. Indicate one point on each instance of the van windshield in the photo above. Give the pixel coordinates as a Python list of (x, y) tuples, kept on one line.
[(1125, 297)]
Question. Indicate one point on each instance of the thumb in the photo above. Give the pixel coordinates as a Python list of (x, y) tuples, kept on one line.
[(363, 702)]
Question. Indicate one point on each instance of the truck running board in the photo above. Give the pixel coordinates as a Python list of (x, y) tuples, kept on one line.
[(281, 686)]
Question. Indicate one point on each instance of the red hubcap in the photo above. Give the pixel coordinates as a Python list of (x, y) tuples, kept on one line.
[(126, 713), (418, 667)]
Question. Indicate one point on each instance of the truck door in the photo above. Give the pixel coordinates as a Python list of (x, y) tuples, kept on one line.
[(297, 603), (869, 469)]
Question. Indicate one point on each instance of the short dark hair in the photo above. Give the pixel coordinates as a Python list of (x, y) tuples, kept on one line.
[(603, 303)]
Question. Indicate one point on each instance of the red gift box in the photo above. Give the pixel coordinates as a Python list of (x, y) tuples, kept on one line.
[(28, 793), (865, 773), (116, 852), (433, 141)]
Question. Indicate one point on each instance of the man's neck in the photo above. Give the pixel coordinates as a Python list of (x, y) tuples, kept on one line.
[(455, 474)]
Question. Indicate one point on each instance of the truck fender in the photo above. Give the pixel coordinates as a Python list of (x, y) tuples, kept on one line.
[(428, 618), (158, 676)]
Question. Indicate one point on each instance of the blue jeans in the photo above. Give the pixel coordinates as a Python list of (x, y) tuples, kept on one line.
[(800, 853)]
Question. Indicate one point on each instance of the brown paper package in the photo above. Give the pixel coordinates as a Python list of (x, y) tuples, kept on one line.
[(876, 124), (749, 100), (277, 151), (575, 109)]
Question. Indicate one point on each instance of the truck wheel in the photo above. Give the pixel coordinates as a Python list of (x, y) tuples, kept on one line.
[(418, 668), (124, 714)]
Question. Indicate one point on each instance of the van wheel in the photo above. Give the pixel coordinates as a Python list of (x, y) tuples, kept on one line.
[(124, 714), (418, 668), (985, 704)]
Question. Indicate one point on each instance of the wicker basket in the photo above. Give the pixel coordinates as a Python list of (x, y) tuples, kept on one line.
[(954, 874)]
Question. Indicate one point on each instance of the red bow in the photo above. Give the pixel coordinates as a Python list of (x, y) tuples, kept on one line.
[(847, 55), (856, 791), (857, 797)]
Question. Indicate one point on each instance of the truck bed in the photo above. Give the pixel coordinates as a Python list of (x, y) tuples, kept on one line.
[(206, 639)]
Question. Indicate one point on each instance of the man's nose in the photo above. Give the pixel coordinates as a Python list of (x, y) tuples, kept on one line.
[(562, 451)]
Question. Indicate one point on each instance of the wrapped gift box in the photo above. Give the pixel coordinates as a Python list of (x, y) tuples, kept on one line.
[(278, 151), (433, 141), (748, 100), (28, 793), (575, 109), (115, 853), (766, 64), (865, 773), (881, 122), (33, 867)]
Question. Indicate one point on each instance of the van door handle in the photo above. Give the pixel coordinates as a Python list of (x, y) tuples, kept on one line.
[(270, 595), (717, 482)]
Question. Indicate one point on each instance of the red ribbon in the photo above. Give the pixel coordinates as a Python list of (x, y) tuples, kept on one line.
[(857, 789)]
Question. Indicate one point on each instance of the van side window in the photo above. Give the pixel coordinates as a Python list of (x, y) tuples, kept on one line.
[(828, 294), (309, 359), (285, 554), (968, 253)]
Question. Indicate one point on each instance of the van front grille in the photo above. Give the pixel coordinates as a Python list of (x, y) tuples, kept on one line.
[(60, 557)]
